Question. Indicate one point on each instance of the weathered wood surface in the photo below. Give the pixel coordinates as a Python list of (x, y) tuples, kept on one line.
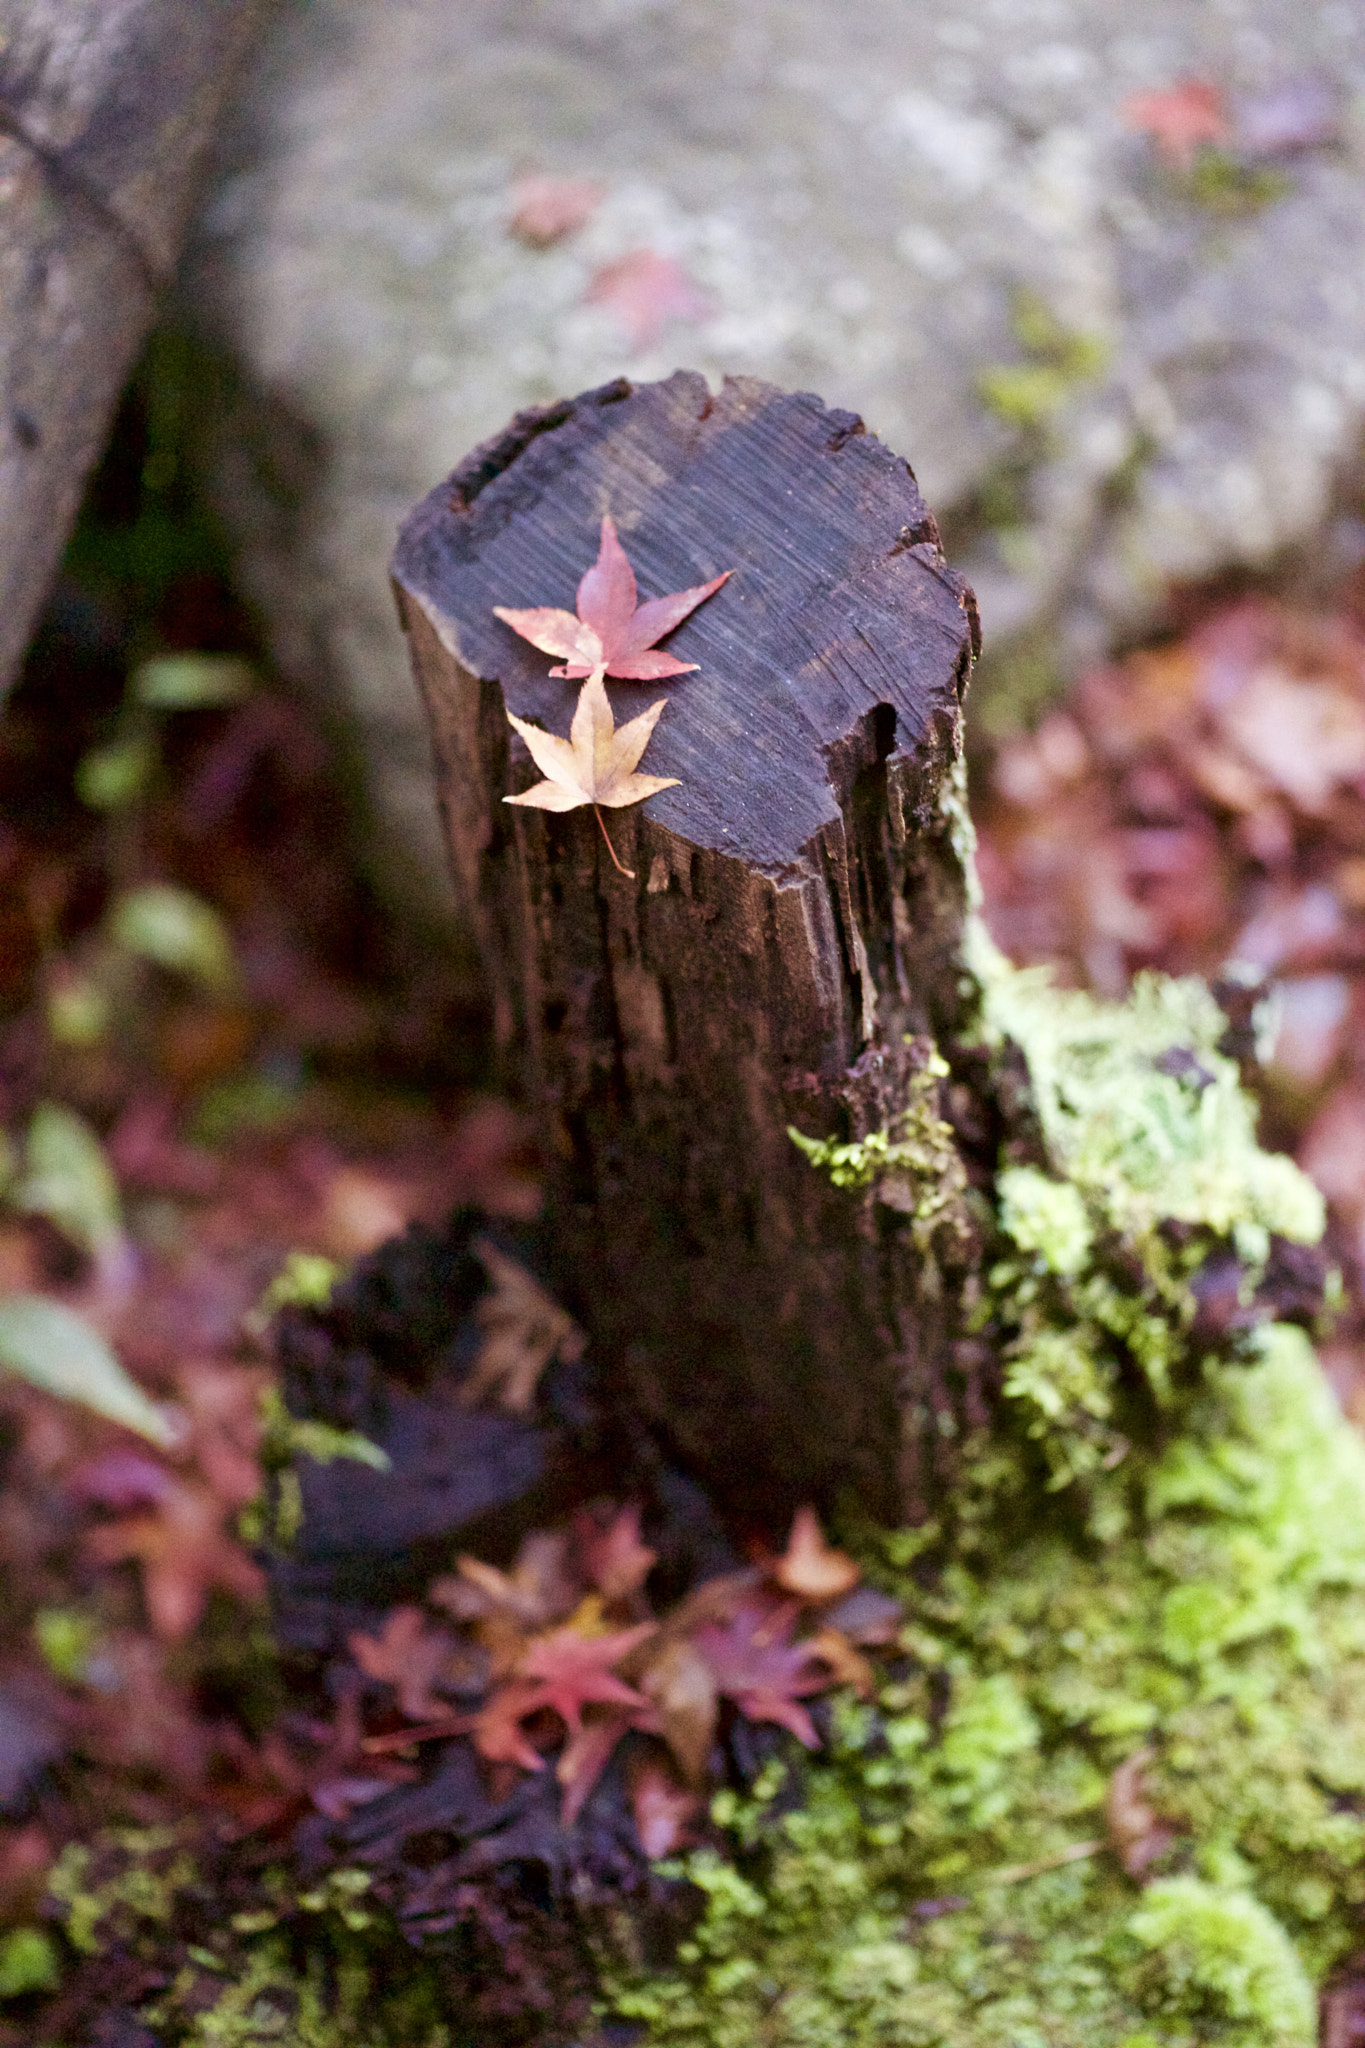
[(795, 914), (107, 111)]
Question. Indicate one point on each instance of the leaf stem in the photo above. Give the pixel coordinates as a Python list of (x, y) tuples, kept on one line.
[(629, 873)]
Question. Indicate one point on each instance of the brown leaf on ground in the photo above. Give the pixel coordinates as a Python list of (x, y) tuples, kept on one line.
[(409, 1656), (612, 631), (809, 1566), (646, 292), (497, 1729), (846, 1665), (545, 208), (586, 1755), (524, 1329), (538, 1590), (185, 1553), (681, 1686), (223, 1407), (1181, 119)]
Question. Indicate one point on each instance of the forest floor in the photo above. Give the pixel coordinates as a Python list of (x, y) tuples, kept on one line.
[(226, 1076)]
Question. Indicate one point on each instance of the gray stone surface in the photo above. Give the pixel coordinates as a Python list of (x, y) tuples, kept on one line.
[(860, 191)]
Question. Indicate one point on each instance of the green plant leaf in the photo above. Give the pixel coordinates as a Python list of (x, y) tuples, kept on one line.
[(113, 777), (50, 1346), (192, 682), (175, 930), (68, 1179)]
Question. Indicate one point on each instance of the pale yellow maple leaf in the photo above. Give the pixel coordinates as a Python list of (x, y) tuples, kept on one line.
[(596, 764)]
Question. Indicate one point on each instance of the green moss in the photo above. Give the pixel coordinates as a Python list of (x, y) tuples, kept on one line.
[(313, 1968), (28, 1962), (914, 1166), (1157, 1552)]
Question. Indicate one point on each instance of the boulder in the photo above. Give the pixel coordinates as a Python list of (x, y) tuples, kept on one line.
[(1110, 372)]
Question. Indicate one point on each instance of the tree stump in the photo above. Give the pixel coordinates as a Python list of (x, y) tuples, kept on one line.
[(786, 954)]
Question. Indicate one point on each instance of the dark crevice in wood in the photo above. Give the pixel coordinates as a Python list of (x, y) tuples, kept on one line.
[(491, 458)]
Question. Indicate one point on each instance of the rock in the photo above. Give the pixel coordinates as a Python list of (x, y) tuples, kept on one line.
[(902, 209), (107, 108)]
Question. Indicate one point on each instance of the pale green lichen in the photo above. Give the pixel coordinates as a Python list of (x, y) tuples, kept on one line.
[(1191, 1589), (914, 1166)]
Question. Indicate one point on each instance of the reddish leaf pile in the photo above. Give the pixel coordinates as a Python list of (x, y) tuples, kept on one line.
[(574, 1660)]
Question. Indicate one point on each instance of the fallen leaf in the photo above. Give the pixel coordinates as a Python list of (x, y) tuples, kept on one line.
[(572, 1670), (681, 1686), (586, 1755), (1181, 119), (1136, 1833), (809, 1567), (362, 1208), (1306, 737), (537, 1591), (595, 764), (185, 1554), (611, 630), (613, 1558), (524, 1329), (755, 1663), (497, 1729), (646, 291), (663, 1809), (409, 1656), (846, 1665), (545, 209)]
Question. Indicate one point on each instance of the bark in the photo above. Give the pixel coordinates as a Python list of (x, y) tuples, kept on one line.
[(107, 111), (787, 950)]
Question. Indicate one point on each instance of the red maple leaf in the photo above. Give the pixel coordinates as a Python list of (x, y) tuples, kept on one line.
[(663, 1809), (612, 1555), (1181, 120), (611, 631), (756, 1664), (573, 1670), (409, 1656), (546, 208), (646, 291)]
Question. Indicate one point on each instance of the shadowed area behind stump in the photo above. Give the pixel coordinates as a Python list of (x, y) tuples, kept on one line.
[(785, 953)]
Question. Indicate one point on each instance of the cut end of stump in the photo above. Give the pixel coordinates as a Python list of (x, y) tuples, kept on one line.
[(841, 609)]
